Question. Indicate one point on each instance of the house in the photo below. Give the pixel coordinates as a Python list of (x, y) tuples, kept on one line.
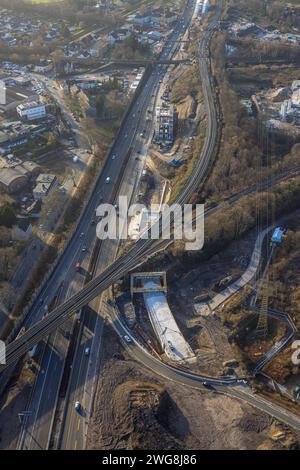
[(44, 66), (22, 230), (119, 35), (155, 35), (112, 38), (140, 19)]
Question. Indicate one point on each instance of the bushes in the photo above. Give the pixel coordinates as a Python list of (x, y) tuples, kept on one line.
[(7, 215)]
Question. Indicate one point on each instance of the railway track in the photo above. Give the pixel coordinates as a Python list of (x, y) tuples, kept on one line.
[(143, 248)]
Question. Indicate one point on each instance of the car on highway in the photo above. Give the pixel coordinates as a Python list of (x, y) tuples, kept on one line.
[(107, 181), (87, 351), (208, 386), (242, 381), (114, 156), (78, 406), (84, 249), (127, 339)]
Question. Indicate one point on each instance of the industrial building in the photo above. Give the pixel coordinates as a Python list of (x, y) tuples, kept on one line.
[(12, 96), (153, 287), (15, 175), (165, 121), (31, 111), (45, 184), (16, 133)]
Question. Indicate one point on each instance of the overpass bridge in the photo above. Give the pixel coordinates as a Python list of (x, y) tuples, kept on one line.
[(142, 63), (143, 248)]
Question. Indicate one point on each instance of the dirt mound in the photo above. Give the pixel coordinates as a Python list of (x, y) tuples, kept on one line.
[(255, 422), (137, 409), (146, 407), (187, 108), (137, 416)]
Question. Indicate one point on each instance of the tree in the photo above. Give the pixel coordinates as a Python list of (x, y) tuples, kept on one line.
[(7, 215), (100, 105)]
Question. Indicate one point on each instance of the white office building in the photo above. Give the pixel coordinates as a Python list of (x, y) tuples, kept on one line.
[(31, 111)]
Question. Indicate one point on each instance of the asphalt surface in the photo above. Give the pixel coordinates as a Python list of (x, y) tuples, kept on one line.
[(36, 430), (230, 387), (143, 249), (75, 423)]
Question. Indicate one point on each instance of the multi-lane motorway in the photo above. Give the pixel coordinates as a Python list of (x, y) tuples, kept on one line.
[(144, 248), (36, 430)]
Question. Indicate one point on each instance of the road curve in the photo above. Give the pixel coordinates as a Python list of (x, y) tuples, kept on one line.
[(143, 249)]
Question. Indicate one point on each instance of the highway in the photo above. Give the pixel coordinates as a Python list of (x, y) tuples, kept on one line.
[(81, 386), (36, 430), (141, 250), (84, 370)]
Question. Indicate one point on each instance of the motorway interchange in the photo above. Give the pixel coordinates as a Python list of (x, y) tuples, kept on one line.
[(74, 294)]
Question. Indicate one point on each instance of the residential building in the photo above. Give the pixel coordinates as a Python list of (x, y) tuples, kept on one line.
[(44, 66)]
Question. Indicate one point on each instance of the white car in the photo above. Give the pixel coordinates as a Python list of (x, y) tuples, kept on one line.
[(107, 181), (77, 406), (127, 339), (87, 351)]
